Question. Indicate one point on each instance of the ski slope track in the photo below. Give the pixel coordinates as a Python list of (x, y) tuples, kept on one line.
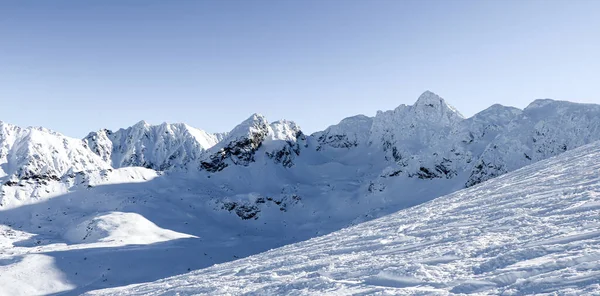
[(532, 231), (78, 215)]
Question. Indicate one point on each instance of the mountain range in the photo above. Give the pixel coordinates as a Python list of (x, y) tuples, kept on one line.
[(174, 191), (427, 140)]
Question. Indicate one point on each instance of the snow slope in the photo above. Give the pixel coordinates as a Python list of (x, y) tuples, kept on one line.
[(532, 231)]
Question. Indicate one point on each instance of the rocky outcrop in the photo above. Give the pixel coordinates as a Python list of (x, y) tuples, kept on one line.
[(251, 209), (286, 140), (280, 141), (239, 147)]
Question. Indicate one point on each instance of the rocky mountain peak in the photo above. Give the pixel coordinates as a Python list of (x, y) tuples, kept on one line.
[(429, 97), (141, 124), (239, 146), (431, 104)]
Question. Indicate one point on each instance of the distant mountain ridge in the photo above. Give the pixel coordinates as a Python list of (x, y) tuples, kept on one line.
[(427, 140), (159, 147)]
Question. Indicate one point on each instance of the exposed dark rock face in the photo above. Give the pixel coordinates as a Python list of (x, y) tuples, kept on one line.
[(337, 141), (11, 183), (281, 141), (289, 151), (375, 187), (484, 171), (250, 210), (441, 170), (240, 152), (425, 173), (244, 211)]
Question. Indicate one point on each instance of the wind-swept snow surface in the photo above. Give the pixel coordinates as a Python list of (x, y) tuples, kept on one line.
[(535, 230)]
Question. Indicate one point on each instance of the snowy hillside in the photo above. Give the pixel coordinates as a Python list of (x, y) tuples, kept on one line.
[(533, 231)]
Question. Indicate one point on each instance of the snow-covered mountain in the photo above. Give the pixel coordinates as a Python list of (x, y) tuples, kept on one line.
[(429, 140), (260, 186), (280, 140), (159, 147), (545, 128), (373, 156), (532, 231), (39, 153)]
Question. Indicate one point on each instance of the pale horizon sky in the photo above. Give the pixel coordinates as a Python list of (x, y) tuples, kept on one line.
[(78, 66)]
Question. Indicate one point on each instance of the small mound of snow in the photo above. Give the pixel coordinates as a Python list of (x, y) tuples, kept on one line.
[(123, 228)]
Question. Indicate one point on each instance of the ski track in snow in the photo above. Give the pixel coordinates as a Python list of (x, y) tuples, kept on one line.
[(532, 231)]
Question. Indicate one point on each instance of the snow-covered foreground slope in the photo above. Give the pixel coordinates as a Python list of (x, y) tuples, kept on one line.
[(535, 230), (112, 222)]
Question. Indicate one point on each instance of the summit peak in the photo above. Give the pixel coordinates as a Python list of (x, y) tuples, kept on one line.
[(430, 100), (141, 123)]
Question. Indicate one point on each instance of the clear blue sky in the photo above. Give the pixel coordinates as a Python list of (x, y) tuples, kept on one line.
[(77, 66)]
